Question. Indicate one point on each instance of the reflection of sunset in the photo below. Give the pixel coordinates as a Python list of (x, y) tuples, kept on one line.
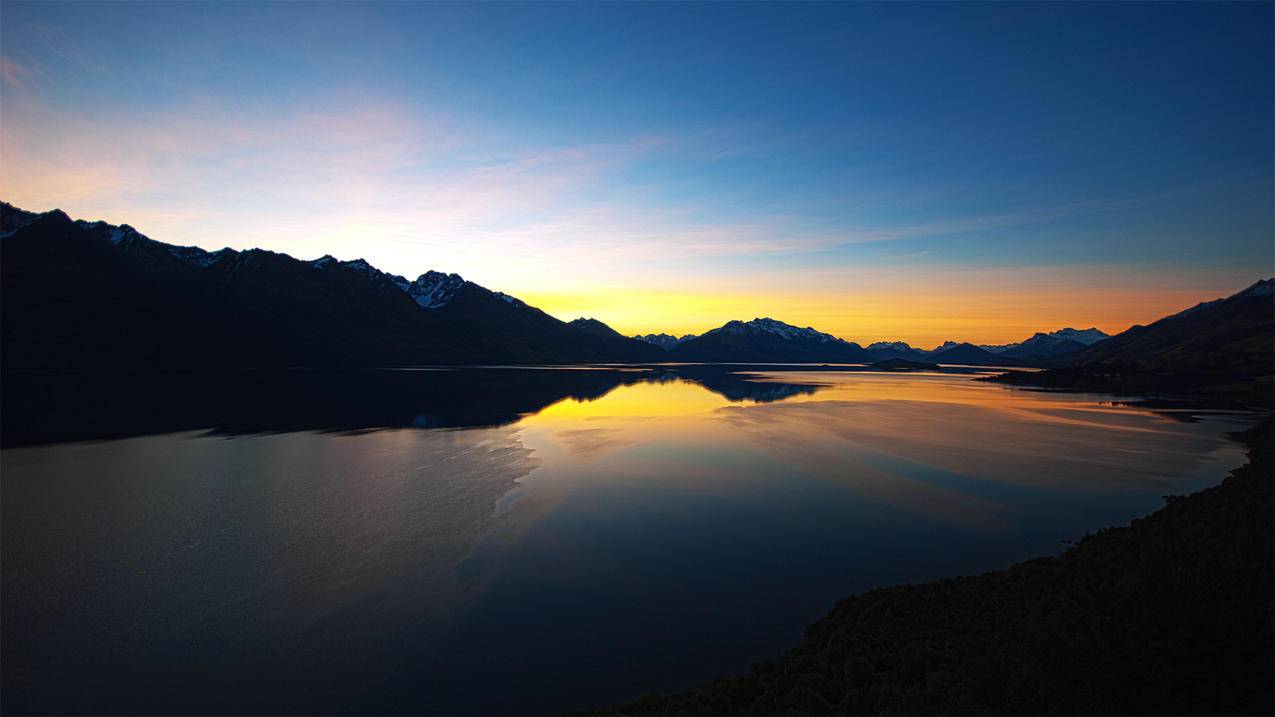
[(906, 441), (641, 400)]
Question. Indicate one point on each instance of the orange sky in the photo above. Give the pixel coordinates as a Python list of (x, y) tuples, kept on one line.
[(989, 309), (904, 191)]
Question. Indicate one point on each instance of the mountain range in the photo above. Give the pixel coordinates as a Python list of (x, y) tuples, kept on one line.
[(1222, 348), (78, 294)]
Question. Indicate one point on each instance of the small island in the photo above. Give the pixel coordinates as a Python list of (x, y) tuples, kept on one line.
[(902, 364)]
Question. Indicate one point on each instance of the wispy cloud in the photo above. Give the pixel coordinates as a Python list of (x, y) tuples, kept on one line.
[(15, 74)]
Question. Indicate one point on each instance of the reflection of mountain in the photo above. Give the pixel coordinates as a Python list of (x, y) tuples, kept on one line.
[(50, 407), (737, 386)]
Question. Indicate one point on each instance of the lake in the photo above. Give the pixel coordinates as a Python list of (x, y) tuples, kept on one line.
[(515, 540)]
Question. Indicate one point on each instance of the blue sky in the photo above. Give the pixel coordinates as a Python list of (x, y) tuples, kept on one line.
[(878, 170)]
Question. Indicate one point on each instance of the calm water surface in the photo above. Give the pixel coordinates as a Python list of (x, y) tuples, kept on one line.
[(518, 540)]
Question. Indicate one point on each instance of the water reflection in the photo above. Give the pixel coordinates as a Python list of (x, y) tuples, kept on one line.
[(53, 407), (560, 539)]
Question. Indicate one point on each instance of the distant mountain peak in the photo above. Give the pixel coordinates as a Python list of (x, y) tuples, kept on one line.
[(434, 288), (665, 341), (430, 290), (1088, 337), (1260, 288), (1263, 287), (779, 328), (595, 327), (894, 345)]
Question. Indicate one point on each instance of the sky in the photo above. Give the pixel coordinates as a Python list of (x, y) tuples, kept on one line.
[(909, 171)]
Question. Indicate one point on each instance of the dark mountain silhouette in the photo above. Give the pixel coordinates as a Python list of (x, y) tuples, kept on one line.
[(1053, 343), (765, 341), (664, 341), (1035, 350), (1088, 337), (617, 343), (1041, 345), (80, 294), (1236, 330), (885, 350), (594, 327), (1221, 348), (966, 354)]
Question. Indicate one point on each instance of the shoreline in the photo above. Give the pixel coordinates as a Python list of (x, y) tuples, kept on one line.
[(1169, 614), (1239, 391)]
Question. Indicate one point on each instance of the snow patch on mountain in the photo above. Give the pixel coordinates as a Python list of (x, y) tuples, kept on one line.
[(996, 348), (768, 325), (512, 300), (890, 345), (434, 289), (665, 341), (1088, 337)]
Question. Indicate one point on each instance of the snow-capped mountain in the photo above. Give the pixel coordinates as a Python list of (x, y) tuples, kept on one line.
[(1088, 337), (771, 326), (885, 350), (1041, 344), (254, 307), (996, 348), (890, 346), (431, 289), (768, 340), (1054, 343), (665, 341)]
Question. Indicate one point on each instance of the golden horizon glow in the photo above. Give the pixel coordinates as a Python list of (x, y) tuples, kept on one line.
[(921, 320), (868, 215)]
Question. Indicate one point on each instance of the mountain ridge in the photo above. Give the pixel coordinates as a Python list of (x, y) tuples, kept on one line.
[(451, 319), (1223, 348), (87, 293)]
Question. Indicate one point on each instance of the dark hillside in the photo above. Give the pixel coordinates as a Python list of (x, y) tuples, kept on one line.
[(1219, 349), (87, 296), (1172, 614)]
